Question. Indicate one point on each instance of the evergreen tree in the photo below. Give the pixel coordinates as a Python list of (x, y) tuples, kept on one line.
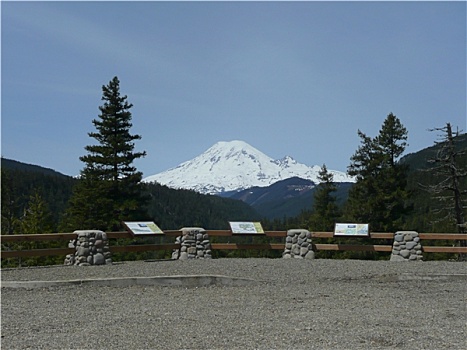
[(379, 194), (10, 206), (325, 210), (109, 189), (37, 218)]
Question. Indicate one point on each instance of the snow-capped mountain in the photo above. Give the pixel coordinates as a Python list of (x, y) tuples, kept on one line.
[(234, 166)]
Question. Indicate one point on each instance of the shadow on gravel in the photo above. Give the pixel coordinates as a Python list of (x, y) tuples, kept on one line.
[(421, 277), (162, 281)]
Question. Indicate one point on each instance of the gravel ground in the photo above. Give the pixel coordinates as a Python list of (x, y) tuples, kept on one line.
[(296, 304)]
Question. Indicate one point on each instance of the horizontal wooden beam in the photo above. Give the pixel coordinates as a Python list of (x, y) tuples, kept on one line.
[(64, 251), (39, 237), (456, 250), (143, 248), (71, 236), (322, 234), (127, 234), (229, 233), (235, 246), (219, 233), (36, 252), (225, 246), (354, 247), (443, 236)]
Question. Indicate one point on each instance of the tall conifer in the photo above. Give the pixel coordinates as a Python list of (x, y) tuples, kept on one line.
[(325, 209), (109, 189), (379, 194)]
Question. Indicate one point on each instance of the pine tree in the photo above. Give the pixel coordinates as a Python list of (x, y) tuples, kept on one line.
[(37, 218), (325, 210), (109, 189), (379, 194), (10, 206)]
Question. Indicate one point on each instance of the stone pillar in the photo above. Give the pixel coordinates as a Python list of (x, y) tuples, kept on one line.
[(298, 245), (194, 244), (406, 246), (91, 248)]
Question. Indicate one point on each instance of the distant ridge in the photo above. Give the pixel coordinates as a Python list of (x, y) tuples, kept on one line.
[(235, 166), (287, 197), (15, 165)]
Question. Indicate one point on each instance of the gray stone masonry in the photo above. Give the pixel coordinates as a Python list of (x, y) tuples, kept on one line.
[(406, 246), (194, 244), (298, 245), (91, 248)]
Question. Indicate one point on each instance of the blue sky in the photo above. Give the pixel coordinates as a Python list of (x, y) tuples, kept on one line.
[(289, 78)]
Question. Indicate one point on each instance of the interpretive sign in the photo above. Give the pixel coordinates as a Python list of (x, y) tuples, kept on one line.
[(360, 230), (245, 227), (142, 227)]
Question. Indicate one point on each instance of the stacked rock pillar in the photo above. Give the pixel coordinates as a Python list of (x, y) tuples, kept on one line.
[(298, 245), (91, 248), (406, 246), (194, 244)]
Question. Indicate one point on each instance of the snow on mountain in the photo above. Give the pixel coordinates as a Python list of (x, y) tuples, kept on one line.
[(234, 166)]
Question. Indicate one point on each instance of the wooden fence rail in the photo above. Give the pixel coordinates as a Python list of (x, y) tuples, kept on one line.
[(225, 246)]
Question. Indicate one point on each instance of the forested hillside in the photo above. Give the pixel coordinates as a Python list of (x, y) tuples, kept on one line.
[(419, 160), (171, 209), (22, 181), (426, 215)]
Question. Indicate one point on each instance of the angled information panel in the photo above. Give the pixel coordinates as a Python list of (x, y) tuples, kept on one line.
[(142, 227), (358, 230), (246, 227)]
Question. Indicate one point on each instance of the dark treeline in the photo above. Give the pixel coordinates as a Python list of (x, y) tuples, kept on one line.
[(22, 182), (169, 208)]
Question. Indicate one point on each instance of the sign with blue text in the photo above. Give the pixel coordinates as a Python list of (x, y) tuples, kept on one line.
[(142, 227), (246, 227), (358, 230)]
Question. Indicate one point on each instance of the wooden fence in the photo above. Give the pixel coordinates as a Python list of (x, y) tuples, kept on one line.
[(66, 237)]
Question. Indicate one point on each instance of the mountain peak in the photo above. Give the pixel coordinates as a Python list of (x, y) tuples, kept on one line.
[(234, 166), (234, 148), (285, 161)]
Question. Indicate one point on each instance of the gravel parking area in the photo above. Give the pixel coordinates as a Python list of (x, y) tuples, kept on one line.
[(295, 304)]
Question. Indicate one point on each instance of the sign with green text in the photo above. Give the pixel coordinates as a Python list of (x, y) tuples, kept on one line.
[(142, 227), (358, 230), (246, 227)]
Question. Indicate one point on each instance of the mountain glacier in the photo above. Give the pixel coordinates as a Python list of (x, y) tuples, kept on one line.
[(235, 166)]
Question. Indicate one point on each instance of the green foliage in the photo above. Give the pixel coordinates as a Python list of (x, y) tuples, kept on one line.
[(37, 218), (325, 210), (19, 183), (380, 193), (109, 190), (173, 209), (10, 205)]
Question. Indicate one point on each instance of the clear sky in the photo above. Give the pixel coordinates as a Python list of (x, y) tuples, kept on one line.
[(289, 78)]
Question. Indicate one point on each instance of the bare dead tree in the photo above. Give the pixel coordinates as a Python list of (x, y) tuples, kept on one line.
[(445, 167)]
